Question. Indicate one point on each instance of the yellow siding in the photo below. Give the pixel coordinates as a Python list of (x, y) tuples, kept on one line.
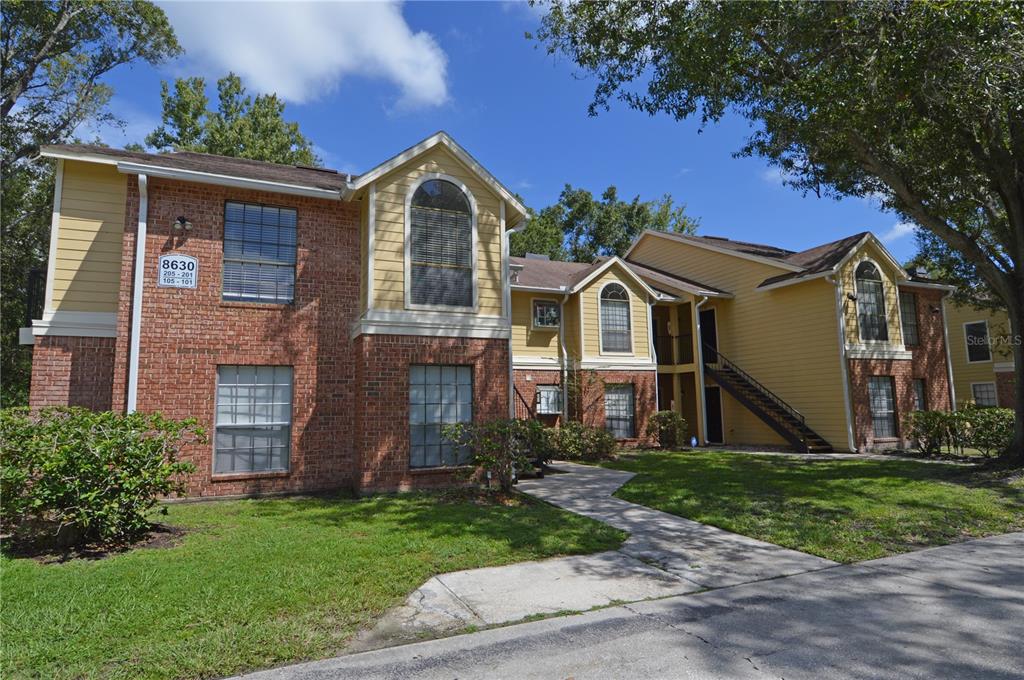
[(786, 338), (589, 297), (87, 269), (892, 307), (364, 249), (389, 234), (529, 342), (571, 321), (965, 373)]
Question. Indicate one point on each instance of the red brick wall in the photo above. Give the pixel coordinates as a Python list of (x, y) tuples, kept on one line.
[(590, 402), (928, 362), (1006, 392), (72, 371), (381, 435), (187, 333), (526, 382)]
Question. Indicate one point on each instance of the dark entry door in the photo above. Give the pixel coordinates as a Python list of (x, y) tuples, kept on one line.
[(709, 335), (713, 404)]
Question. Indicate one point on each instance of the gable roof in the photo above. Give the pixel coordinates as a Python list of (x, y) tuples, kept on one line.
[(823, 259), (569, 277), (757, 252), (658, 277)]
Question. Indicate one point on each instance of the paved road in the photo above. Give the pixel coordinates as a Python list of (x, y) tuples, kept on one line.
[(950, 612)]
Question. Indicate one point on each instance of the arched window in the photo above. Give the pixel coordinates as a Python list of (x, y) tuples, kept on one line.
[(615, 328), (441, 246), (871, 303)]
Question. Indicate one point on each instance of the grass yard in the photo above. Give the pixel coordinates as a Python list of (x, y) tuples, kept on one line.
[(261, 582), (846, 511)]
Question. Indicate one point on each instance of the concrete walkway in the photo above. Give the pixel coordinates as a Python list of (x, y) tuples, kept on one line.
[(950, 612), (664, 555)]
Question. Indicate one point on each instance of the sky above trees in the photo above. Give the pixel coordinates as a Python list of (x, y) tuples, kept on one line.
[(364, 81)]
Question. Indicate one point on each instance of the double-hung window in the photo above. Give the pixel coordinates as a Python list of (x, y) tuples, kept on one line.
[(549, 399), (254, 418), (883, 406), (871, 303), (908, 313), (441, 246), (259, 253), (616, 335), (618, 411), (546, 314), (438, 396), (978, 347), (984, 394), (920, 395)]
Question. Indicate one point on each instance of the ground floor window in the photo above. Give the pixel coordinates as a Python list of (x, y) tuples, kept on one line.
[(254, 418), (920, 395), (438, 395), (984, 394), (549, 399), (619, 411), (883, 406)]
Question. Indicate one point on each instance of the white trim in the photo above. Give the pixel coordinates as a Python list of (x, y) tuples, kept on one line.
[(885, 353), (536, 364), (533, 317), (506, 298), (51, 266), (617, 366), (228, 181), (25, 336), (431, 324), (139, 279), (371, 241), (444, 139), (1003, 367), (967, 346), (844, 368), (506, 301), (798, 279), (79, 156), (949, 355), (892, 261), (682, 238), (600, 324), (650, 348), (538, 289), (563, 355), (427, 177), (929, 286), (76, 324), (604, 267), (995, 388), (700, 365)]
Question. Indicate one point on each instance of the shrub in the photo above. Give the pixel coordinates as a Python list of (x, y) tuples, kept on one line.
[(499, 447), (668, 428), (928, 431), (576, 441), (92, 476), (990, 430)]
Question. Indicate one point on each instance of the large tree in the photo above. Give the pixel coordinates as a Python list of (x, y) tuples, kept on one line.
[(917, 104), (241, 126), (54, 56), (580, 227)]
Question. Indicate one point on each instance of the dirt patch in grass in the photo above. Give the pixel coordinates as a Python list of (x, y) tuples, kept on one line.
[(44, 551)]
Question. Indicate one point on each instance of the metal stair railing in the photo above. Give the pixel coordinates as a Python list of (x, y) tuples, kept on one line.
[(725, 362)]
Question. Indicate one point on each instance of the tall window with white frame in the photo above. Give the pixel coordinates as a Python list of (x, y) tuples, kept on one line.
[(259, 253), (438, 396), (908, 315), (979, 349), (441, 246), (616, 335), (619, 411), (871, 303), (883, 406), (254, 419)]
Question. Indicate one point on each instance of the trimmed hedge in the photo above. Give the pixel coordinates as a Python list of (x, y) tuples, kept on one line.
[(576, 441), (990, 430)]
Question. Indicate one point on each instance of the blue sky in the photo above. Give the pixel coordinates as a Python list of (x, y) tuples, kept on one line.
[(365, 81)]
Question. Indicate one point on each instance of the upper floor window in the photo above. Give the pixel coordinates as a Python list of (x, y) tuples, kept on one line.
[(615, 328), (440, 246), (871, 303), (908, 313), (545, 314), (978, 348), (259, 253)]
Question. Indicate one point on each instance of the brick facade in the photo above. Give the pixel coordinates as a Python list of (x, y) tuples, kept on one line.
[(1006, 392), (72, 371), (526, 382), (928, 363)]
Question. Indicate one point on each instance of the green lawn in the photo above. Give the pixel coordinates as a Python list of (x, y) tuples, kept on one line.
[(842, 510), (256, 583)]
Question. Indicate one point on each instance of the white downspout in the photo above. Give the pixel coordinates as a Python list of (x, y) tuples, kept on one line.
[(564, 358), (140, 261), (949, 358), (844, 366), (650, 348), (506, 301), (700, 368)]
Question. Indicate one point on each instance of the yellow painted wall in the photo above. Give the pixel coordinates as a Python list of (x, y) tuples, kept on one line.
[(529, 342), (590, 300), (786, 338), (889, 279), (572, 327), (965, 373), (389, 235), (87, 273)]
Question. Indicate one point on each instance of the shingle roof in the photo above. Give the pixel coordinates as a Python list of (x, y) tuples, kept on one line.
[(747, 248), (818, 259), (656, 276), (220, 165), (537, 273)]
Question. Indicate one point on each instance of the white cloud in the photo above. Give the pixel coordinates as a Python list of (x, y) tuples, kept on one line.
[(898, 231), (773, 175), (300, 50), (136, 124)]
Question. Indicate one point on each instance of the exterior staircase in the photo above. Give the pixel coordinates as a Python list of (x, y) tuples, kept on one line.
[(765, 404)]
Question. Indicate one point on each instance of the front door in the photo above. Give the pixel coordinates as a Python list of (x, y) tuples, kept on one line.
[(713, 405), (709, 335)]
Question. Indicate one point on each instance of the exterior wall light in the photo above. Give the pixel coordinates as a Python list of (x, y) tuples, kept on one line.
[(852, 296), (182, 223)]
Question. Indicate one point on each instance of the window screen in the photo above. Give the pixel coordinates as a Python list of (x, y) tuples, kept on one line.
[(259, 253), (871, 303), (618, 410), (977, 342), (984, 394), (883, 406), (438, 395), (441, 248), (920, 395), (908, 312), (549, 399), (615, 328), (254, 417)]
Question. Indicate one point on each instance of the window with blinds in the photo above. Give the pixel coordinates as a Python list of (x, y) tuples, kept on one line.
[(254, 418), (908, 313), (871, 303), (438, 396), (259, 253), (619, 411), (883, 406), (441, 246), (615, 326)]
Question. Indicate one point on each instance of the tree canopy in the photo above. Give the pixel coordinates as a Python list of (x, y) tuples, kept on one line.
[(241, 126), (579, 227)]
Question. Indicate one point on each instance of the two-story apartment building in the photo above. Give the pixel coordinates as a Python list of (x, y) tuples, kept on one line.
[(981, 350)]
